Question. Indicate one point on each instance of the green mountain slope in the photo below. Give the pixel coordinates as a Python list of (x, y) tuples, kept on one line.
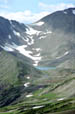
[(13, 76)]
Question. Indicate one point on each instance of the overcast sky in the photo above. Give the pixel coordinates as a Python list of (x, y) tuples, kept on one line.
[(28, 11)]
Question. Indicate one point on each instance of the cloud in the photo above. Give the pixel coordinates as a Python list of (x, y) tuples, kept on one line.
[(26, 16), (55, 7), (4, 1), (4, 4)]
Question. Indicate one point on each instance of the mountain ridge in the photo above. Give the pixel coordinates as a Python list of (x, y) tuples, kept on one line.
[(29, 36)]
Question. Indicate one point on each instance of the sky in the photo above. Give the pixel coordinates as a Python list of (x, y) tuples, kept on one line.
[(29, 11)]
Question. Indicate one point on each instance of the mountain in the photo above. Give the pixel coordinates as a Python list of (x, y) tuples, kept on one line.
[(37, 63), (48, 42), (58, 37)]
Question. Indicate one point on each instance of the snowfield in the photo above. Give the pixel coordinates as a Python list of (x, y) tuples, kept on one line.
[(31, 31), (22, 49), (39, 23)]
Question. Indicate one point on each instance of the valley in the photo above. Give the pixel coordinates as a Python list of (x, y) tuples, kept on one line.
[(37, 65)]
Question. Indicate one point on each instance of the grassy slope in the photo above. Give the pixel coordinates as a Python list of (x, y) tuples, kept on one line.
[(11, 86), (47, 97), (13, 73), (8, 68), (57, 107)]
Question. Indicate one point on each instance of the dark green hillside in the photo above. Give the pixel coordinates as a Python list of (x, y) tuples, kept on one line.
[(13, 73)]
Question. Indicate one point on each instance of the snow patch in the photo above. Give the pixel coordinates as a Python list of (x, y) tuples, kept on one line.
[(30, 95), (65, 12), (16, 33), (67, 52), (32, 41), (9, 36), (36, 63), (32, 31), (73, 12), (39, 23), (27, 39), (12, 24), (23, 51), (60, 99), (37, 55), (27, 53), (27, 84), (35, 107), (37, 49), (47, 32), (6, 48), (28, 77)]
